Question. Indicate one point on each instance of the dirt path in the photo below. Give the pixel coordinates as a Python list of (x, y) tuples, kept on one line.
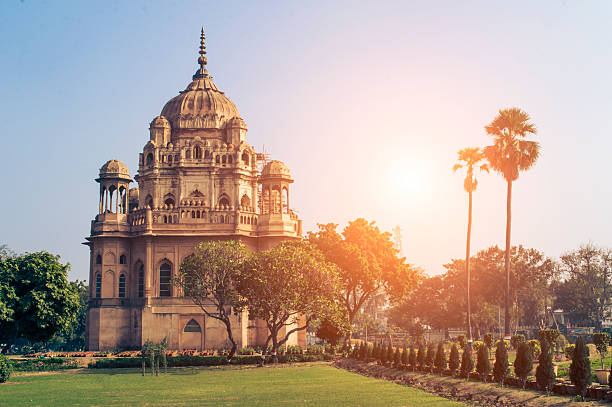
[(472, 392)]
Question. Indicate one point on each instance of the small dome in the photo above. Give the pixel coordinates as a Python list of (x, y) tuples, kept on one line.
[(275, 168), (160, 121), (115, 169)]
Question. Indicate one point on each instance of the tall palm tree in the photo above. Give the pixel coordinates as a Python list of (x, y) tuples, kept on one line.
[(470, 159), (510, 154)]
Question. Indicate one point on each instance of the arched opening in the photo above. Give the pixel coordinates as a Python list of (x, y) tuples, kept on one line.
[(98, 259), (192, 326), (149, 202), (245, 202), (122, 286), (169, 201), (207, 154), (188, 153), (230, 159), (197, 152), (224, 202), (169, 159), (149, 160), (165, 275), (98, 285), (140, 280), (245, 158), (193, 214), (122, 259), (224, 160), (285, 200), (218, 160), (191, 337)]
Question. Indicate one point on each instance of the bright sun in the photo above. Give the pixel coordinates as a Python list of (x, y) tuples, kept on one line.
[(405, 180)]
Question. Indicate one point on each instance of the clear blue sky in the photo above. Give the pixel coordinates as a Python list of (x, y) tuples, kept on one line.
[(366, 102)]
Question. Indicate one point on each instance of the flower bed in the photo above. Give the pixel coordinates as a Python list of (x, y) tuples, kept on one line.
[(43, 365)]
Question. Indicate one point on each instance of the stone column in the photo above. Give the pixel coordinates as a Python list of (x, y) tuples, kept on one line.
[(148, 271)]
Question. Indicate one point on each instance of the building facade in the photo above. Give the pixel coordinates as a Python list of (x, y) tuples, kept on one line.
[(198, 179)]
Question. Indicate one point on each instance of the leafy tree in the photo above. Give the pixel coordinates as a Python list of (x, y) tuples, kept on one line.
[(397, 358), (72, 337), (210, 277), (483, 366), (586, 291), (367, 261), (41, 301), (500, 368), (383, 355), (470, 159), (404, 359), (389, 353), (5, 369), (488, 340), (545, 372), (580, 368), (412, 357), (467, 361), (332, 330), (453, 360), (440, 362), (421, 357), (289, 287), (430, 356), (509, 155), (523, 364)]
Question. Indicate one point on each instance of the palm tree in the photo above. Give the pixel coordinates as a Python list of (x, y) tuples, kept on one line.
[(469, 158), (509, 155)]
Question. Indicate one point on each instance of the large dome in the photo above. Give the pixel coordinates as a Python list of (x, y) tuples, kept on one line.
[(202, 105), (275, 168)]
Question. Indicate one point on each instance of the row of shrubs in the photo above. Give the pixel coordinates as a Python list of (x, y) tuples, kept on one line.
[(434, 359), (183, 361)]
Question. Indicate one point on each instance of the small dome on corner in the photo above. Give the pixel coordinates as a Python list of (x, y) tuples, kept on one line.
[(275, 168), (115, 169), (160, 121)]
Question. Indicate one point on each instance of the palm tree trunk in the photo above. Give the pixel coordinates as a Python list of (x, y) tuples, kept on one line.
[(467, 270), (507, 262)]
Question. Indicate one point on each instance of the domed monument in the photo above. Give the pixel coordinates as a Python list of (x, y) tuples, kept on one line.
[(198, 180)]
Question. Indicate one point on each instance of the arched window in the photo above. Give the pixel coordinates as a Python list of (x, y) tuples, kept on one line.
[(98, 259), (218, 160), (206, 154), (98, 285), (169, 201), (165, 219), (122, 259), (121, 285), (245, 202), (169, 159), (149, 161), (245, 158), (224, 160), (141, 281), (197, 152), (230, 159), (188, 153), (165, 274), (224, 202), (149, 202), (192, 326), (193, 214)]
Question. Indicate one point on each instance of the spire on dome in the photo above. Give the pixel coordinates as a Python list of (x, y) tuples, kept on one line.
[(202, 60)]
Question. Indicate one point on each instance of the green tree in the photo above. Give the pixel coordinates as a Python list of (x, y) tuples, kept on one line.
[(404, 359), (41, 300), (467, 361), (421, 357), (470, 159), (523, 364), (545, 372), (367, 262), (500, 368), (290, 284), (440, 362), (389, 353), (397, 358), (332, 329), (430, 356), (72, 337), (509, 155), (453, 360), (412, 357), (5, 369), (483, 366), (580, 368), (210, 276)]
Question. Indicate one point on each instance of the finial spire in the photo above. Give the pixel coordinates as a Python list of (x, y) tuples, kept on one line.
[(202, 60)]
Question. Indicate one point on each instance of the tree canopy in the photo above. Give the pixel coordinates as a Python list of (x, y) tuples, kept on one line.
[(38, 301)]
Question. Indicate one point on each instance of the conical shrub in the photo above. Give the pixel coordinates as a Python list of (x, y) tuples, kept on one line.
[(467, 361), (500, 368), (453, 360), (483, 366), (580, 368)]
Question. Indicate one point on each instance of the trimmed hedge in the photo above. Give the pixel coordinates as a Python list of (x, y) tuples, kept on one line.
[(183, 361), (43, 365)]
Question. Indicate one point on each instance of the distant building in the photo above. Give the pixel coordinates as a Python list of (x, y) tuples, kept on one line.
[(198, 179)]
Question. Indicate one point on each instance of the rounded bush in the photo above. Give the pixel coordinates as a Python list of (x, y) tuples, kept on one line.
[(5, 369)]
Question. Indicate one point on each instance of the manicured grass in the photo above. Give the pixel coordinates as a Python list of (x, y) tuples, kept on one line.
[(316, 384)]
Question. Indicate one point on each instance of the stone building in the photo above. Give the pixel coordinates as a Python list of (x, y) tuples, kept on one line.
[(198, 179)]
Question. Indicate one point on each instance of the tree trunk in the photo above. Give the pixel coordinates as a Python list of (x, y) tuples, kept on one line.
[(274, 347), (467, 270), (230, 336), (507, 262)]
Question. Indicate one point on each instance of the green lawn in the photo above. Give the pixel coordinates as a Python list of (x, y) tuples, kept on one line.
[(316, 384)]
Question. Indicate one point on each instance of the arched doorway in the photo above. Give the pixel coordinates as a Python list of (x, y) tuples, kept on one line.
[(192, 335)]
